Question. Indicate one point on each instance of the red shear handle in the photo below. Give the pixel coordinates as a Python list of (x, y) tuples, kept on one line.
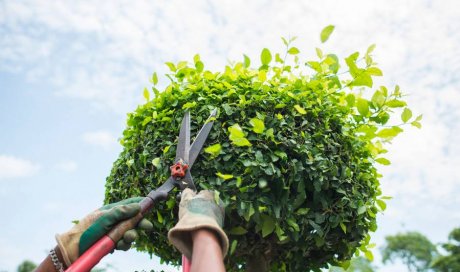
[(93, 255), (106, 244)]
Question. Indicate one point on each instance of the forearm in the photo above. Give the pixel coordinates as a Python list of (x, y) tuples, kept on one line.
[(47, 264), (207, 252)]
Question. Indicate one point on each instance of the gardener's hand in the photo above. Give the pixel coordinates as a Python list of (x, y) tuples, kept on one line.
[(198, 211), (95, 225)]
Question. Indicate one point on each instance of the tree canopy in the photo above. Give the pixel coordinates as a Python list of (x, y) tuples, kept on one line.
[(292, 154)]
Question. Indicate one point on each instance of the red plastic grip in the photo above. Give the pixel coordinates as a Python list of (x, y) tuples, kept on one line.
[(186, 264), (93, 255)]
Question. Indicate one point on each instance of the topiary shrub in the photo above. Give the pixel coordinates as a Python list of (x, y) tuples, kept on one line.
[(292, 154)]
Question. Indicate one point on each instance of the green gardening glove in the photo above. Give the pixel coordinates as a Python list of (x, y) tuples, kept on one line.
[(97, 224), (197, 211)]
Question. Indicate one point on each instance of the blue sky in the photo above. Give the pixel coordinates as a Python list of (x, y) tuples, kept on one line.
[(70, 71)]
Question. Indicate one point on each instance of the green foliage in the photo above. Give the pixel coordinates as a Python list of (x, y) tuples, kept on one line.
[(292, 153), (413, 248), (27, 266), (451, 261), (358, 264)]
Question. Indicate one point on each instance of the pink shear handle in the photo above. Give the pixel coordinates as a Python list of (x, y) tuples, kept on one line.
[(93, 255), (186, 264)]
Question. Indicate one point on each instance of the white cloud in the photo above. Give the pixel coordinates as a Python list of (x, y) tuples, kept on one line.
[(100, 138), (13, 167), (67, 166)]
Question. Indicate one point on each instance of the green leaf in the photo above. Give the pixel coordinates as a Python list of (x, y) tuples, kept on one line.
[(369, 255), (154, 78), (237, 231), (370, 49), (247, 61), (343, 227), (156, 162), (130, 162), (237, 136), (224, 176), (378, 99), (300, 109), (171, 66), (302, 211), (166, 149), (416, 124), (361, 210), (293, 51), (257, 125), (383, 161), (265, 56), (159, 217), (389, 132), (189, 105), (199, 66), (146, 94), (396, 103), (233, 246), (214, 149), (406, 115), (381, 204), (374, 71), (326, 32), (268, 225), (363, 106)]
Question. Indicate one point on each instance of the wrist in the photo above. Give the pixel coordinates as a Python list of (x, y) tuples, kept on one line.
[(60, 256)]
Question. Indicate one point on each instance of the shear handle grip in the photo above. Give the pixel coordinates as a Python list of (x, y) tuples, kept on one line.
[(106, 244)]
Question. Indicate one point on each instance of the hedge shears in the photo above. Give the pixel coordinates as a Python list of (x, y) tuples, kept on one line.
[(181, 177)]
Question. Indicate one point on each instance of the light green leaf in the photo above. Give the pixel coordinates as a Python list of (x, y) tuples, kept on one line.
[(361, 209), (396, 103), (257, 125), (130, 162), (343, 227), (154, 78), (159, 217), (171, 66), (249, 212), (268, 225), (233, 246), (293, 51), (156, 162), (237, 136), (374, 71), (406, 115), (146, 94), (166, 149), (300, 109), (389, 132), (265, 56), (224, 176), (416, 124), (381, 204), (383, 161), (238, 231), (363, 106), (369, 255), (378, 98), (319, 53), (189, 105), (247, 61), (326, 32), (199, 66), (214, 150), (370, 49)]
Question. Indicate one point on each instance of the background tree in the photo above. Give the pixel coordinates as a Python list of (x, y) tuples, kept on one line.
[(27, 266), (451, 261), (292, 154), (412, 248)]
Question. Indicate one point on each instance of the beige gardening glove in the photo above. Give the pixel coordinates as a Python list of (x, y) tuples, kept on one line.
[(95, 225), (197, 211)]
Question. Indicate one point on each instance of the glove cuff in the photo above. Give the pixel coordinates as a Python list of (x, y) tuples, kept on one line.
[(61, 241), (181, 235)]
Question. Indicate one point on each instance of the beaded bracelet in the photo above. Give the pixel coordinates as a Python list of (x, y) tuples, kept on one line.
[(57, 264)]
